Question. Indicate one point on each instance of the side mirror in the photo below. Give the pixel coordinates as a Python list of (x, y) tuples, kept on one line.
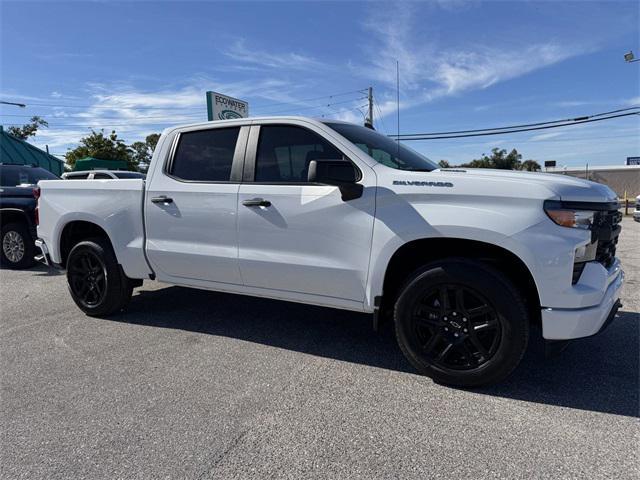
[(340, 173)]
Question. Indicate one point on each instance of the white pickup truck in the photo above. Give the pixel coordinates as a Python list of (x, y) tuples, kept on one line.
[(329, 213)]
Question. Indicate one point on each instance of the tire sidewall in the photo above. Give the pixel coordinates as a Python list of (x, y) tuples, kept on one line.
[(501, 295)]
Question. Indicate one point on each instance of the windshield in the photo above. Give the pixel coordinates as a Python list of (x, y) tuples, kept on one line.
[(383, 149)]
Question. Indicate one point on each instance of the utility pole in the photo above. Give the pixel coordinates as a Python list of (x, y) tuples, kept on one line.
[(369, 120)]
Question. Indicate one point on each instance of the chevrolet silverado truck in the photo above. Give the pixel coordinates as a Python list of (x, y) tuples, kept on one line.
[(464, 261)]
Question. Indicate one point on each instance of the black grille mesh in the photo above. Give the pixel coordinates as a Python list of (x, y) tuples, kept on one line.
[(606, 230)]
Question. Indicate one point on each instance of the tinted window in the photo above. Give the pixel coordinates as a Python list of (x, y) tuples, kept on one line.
[(129, 175), (102, 176), (383, 149), (284, 153), (11, 176), (82, 176), (205, 155)]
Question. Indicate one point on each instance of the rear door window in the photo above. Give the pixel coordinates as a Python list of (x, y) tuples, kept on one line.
[(205, 155)]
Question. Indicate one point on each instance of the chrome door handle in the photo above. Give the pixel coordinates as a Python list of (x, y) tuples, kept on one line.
[(256, 202)]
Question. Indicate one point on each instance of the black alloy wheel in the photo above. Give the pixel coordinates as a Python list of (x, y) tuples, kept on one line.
[(461, 322), (87, 278), (96, 281), (456, 327)]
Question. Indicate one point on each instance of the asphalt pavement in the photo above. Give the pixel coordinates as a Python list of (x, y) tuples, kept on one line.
[(194, 384)]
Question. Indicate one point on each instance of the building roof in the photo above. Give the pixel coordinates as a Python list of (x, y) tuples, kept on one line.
[(16, 151), (591, 168)]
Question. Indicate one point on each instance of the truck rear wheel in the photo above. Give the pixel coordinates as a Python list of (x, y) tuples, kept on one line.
[(462, 323), (97, 284)]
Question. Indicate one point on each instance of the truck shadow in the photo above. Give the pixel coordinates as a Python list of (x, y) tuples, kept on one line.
[(598, 374)]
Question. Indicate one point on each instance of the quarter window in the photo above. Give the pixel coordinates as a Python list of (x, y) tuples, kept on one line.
[(284, 153), (205, 155)]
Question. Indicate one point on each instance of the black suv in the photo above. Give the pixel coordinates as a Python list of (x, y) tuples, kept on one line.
[(18, 201)]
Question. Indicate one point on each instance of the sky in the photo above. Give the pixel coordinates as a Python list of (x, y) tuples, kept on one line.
[(138, 67)]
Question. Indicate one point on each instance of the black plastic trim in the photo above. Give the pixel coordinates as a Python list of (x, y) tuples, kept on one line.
[(595, 206)]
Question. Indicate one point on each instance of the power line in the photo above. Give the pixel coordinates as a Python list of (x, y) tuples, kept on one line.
[(140, 107), (585, 117), (430, 137), (141, 121), (315, 106)]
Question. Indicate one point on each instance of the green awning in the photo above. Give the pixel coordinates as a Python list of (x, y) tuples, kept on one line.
[(90, 163)]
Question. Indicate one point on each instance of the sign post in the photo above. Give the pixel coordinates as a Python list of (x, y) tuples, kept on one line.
[(222, 107)]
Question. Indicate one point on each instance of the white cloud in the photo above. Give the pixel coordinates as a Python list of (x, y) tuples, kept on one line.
[(289, 60), (134, 112), (430, 70), (633, 102)]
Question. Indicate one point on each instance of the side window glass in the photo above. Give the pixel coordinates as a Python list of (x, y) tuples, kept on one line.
[(102, 176), (205, 155), (284, 153)]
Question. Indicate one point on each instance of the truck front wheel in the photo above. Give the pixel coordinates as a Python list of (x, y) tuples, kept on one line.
[(461, 322), (97, 284)]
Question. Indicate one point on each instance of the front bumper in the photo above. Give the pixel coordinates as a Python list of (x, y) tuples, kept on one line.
[(570, 323)]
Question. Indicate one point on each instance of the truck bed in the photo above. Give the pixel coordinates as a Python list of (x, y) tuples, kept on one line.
[(116, 206)]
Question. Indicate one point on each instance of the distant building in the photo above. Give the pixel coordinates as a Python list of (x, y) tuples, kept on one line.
[(620, 178), (16, 151)]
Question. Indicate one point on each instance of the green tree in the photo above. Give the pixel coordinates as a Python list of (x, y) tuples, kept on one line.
[(530, 166), (152, 141), (444, 164), (104, 147), (141, 152), (499, 158), (28, 130)]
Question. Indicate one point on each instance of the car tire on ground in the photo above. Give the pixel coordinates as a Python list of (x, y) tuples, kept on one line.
[(461, 323), (17, 247), (96, 282)]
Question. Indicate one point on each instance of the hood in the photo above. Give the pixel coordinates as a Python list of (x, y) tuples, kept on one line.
[(564, 186)]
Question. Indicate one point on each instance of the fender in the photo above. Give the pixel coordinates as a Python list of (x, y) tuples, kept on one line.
[(381, 259)]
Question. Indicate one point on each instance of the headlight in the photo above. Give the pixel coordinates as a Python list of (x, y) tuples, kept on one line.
[(569, 217)]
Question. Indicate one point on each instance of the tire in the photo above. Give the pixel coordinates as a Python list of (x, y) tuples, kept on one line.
[(461, 323), (17, 247), (96, 282)]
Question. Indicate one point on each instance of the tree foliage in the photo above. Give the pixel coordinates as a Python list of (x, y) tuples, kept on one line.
[(502, 160), (141, 152), (104, 147), (110, 147), (28, 130), (444, 164)]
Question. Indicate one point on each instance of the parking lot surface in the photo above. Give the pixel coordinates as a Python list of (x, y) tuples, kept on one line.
[(195, 384)]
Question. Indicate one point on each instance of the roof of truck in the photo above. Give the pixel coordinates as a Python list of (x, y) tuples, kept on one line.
[(236, 121)]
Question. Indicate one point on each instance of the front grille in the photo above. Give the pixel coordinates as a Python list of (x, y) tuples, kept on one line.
[(605, 231)]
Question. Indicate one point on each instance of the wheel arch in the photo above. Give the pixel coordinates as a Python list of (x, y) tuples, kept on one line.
[(14, 215), (411, 255), (76, 231)]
